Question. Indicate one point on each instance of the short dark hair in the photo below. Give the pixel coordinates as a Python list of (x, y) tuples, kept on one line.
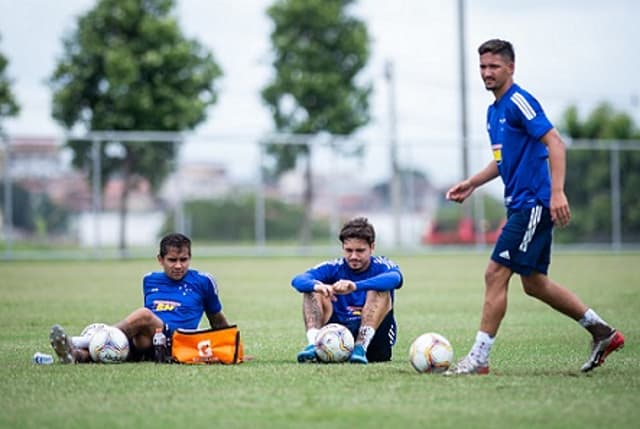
[(360, 228), (179, 241), (498, 47)]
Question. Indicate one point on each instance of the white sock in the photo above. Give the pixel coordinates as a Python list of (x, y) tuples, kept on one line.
[(80, 342), (312, 334), (482, 347), (591, 318), (366, 333)]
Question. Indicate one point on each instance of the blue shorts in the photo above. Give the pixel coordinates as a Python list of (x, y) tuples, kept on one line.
[(524, 244)]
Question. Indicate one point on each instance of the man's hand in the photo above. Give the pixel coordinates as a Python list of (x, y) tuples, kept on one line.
[(560, 212), (460, 192), (324, 290), (343, 287)]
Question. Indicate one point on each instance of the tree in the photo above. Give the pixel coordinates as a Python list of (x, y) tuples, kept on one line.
[(319, 50), (8, 107), (8, 104), (588, 180), (128, 66)]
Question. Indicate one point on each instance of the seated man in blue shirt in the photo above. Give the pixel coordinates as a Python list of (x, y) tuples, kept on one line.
[(356, 291), (175, 297)]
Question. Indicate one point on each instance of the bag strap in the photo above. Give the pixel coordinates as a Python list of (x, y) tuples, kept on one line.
[(200, 331)]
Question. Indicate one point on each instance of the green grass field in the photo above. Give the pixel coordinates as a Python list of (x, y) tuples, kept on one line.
[(535, 380)]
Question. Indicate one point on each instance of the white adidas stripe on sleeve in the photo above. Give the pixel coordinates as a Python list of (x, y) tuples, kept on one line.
[(523, 105)]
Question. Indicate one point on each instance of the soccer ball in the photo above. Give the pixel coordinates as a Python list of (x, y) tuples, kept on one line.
[(109, 345), (431, 353), (334, 343)]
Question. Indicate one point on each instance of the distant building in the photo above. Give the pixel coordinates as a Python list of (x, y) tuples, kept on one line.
[(196, 181), (34, 158), (140, 197), (38, 165)]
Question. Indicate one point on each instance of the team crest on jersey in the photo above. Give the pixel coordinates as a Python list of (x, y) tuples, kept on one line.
[(354, 310), (160, 305)]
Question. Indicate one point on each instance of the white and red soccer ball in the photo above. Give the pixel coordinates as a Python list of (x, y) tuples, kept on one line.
[(108, 344), (431, 353), (334, 343)]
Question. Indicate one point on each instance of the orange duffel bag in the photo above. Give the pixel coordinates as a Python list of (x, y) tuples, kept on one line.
[(207, 346)]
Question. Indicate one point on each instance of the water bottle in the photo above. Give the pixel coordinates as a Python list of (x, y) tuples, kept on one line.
[(42, 359), (160, 346)]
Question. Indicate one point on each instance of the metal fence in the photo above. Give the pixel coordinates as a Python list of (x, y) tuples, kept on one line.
[(351, 176)]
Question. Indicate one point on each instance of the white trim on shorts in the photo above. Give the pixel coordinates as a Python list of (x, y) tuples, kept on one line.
[(534, 220)]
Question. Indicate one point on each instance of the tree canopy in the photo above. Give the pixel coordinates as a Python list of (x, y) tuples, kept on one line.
[(8, 104), (127, 66), (588, 179), (319, 48)]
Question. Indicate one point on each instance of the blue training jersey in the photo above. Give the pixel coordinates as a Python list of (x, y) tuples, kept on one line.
[(382, 274), (181, 304), (516, 123)]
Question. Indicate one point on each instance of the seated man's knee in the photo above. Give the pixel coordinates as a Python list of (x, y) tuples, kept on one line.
[(141, 321), (316, 297), (312, 302), (142, 315)]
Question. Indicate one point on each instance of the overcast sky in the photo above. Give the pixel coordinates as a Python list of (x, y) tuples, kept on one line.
[(567, 52)]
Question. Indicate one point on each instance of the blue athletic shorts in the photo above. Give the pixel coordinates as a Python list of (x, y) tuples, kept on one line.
[(524, 244)]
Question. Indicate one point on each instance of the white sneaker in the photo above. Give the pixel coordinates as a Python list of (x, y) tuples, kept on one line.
[(61, 344), (468, 366)]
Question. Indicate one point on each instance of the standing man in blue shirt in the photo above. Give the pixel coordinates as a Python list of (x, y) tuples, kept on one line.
[(175, 297), (529, 156), (356, 291)]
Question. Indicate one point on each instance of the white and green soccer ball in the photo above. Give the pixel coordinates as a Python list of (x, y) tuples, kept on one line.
[(334, 343), (109, 345), (431, 353)]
